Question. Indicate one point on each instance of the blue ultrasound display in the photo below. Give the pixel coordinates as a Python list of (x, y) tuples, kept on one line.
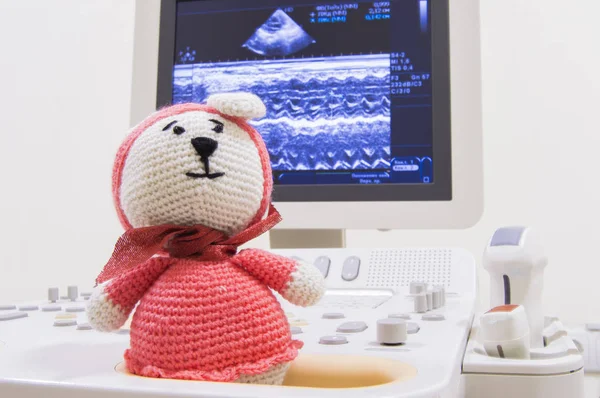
[(347, 85)]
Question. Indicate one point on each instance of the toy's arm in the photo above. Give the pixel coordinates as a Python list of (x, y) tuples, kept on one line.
[(112, 301), (298, 282)]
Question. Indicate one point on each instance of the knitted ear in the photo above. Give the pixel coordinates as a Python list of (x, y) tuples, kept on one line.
[(244, 105)]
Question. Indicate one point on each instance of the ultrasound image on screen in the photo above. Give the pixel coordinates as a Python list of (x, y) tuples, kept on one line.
[(279, 35), (332, 76), (322, 113)]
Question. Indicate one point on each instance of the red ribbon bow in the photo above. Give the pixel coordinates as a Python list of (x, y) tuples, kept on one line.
[(137, 245)]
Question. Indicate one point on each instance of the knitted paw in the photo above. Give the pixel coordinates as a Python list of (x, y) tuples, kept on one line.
[(306, 286), (244, 105), (102, 313)]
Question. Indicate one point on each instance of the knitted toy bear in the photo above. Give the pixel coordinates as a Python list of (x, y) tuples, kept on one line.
[(191, 183)]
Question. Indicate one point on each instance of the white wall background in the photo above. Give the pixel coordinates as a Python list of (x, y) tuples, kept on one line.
[(65, 76)]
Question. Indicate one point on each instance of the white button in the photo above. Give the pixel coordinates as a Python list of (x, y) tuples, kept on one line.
[(436, 298), (51, 307), (9, 316), (442, 293), (333, 315), (65, 322), (594, 327), (429, 300), (420, 303), (28, 308), (399, 316), (84, 326), (322, 263), (350, 268), (433, 317), (75, 309), (391, 331), (333, 340), (352, 327), (296, 330), (412, 328)]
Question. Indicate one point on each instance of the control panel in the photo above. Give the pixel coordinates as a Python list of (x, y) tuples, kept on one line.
[(393, 322)]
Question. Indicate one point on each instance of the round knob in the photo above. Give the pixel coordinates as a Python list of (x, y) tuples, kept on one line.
[(72, 293), (391, 331), (420, 303), (429, 296), (53, 294), (436, 298)]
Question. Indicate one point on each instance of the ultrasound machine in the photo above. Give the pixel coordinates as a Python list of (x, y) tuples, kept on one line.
[(374, 122)]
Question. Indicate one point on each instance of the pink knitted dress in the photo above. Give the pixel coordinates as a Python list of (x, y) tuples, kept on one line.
[(209, 313)]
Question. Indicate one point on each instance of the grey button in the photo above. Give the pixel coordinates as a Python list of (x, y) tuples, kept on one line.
[(352, 327), (28, 308), (9, 316), (84, 326), (420, 303), (507, 236), (323, 263), (350, 268), (53, 294), (296, 330), (73, 292), (86, 297), (8, 307), (75, 309), (401, 316), (333, 340), (122, 331), (65, 322), (333, 315), (412, 328), (433, 317), (86, 294), (51, 308)]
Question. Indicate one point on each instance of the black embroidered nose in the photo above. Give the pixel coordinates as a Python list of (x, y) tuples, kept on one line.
[(204, 146)]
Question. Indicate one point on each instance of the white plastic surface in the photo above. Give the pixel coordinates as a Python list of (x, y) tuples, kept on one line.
[(39, 359)]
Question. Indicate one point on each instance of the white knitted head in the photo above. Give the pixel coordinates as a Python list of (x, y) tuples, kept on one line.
[(165, 180)]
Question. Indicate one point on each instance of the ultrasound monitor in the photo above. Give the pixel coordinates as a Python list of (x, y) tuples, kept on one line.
[(373, 107)]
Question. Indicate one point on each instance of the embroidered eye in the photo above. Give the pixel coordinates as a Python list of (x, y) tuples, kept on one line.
[(218, 128), (176, 129)]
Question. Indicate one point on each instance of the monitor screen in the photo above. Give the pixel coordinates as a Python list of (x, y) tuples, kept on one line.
[(348, 88)]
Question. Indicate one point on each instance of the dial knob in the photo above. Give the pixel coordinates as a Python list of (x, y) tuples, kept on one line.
[(73, 292), (391, 331), (53, 294)]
